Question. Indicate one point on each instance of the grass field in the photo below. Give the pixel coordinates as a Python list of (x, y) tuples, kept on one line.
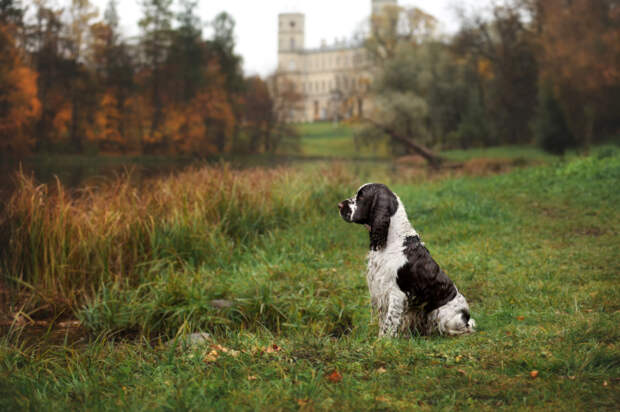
[(536, 252), (335, 141)]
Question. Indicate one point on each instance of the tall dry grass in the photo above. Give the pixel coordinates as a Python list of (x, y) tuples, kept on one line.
[(62, 247)]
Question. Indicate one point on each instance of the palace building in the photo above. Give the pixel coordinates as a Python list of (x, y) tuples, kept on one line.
[(330, 82)]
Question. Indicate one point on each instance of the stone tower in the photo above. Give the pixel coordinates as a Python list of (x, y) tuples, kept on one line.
[(379, 5), (291, 32)]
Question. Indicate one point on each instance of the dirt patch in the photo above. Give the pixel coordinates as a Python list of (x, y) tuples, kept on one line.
[(415, 167), (485, 166), (590, 231)]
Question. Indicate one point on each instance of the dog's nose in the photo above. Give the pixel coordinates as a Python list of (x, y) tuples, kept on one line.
[(340, 205)]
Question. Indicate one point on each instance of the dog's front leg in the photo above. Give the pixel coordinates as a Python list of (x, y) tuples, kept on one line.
[(394, 315)]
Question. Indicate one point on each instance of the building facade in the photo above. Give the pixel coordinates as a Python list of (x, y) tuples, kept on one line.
[(327, 83)]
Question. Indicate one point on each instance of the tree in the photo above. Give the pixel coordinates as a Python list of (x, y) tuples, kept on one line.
[(286, 100), (11, 13), (406, 67), (259, 115), (187, 60), (114, 66), (156, 27), (19, 105), (502, 50), (48, 52), (550, 127), (82, 91), (222, 50), (580, 51)]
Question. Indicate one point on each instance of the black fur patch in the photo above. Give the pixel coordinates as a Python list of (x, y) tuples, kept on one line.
[(424, 283)]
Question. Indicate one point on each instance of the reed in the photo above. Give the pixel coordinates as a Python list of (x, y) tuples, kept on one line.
[(63, 246)]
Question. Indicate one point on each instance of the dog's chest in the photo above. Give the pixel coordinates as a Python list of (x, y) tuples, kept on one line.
[(382, 271)]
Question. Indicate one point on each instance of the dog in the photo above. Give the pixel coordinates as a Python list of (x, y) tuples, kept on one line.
[(408, 290)]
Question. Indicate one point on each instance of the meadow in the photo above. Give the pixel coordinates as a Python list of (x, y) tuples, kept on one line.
[(105, 283)]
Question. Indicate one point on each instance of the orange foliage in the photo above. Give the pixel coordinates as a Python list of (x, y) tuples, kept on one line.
[(106, 130), (581, 42), (61, 121), (485, 69), (195, 128), (18, 98)]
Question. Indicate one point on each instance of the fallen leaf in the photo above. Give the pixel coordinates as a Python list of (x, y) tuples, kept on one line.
[(461, 371), (458, 358), (303, 402), (252, 378), (273, 348), (381, 370), (520, 317), (211, 356), (605, 383), (334, 377), (534, 374), (382, 399), (219, 348), (572, 377)]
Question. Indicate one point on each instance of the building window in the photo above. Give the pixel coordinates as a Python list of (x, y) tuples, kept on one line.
[(292, 43), (291, 65)]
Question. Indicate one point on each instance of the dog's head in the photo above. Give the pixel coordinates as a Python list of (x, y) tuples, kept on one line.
[(373, 206)]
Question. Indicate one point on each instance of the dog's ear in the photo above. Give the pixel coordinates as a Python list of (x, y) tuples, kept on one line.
[(384, 205)]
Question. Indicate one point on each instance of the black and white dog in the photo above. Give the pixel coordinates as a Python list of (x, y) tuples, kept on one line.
[(408, 290)]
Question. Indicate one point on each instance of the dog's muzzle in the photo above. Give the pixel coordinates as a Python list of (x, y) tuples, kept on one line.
[(346, 211)]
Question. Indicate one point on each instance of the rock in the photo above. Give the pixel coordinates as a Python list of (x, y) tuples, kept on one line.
[(221, 303), (194, 339)]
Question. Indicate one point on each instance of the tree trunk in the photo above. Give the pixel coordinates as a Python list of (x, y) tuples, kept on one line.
[(433, 159)]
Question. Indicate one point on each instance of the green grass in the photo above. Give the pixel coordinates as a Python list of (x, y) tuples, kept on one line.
[(530, 153), (536, 252), (335, 141)]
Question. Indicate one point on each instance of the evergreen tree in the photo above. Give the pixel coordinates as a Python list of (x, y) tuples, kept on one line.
[(550, 127)]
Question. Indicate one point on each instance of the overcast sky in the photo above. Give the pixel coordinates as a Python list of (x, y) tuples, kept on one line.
[(257, 21)]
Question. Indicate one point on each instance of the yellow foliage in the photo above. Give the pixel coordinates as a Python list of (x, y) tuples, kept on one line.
[(485, 69)]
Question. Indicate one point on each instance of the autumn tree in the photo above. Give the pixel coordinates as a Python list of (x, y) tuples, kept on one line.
[(114, 68), (580, 55), (156, 32), (19, 105), (48, 51), (259, 115)]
